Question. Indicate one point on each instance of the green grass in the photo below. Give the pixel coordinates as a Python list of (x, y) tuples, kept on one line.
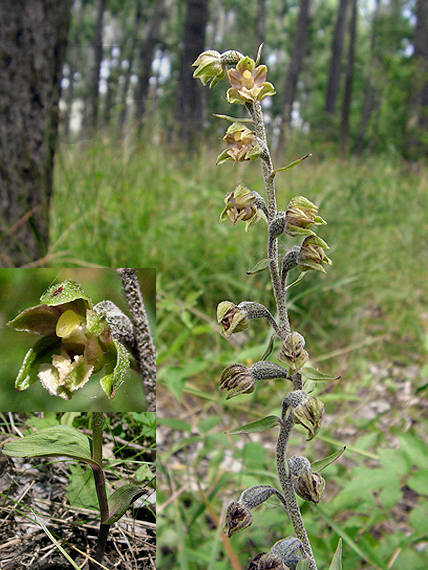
[(152, 207)]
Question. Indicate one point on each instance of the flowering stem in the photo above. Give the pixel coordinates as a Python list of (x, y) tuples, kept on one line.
[(287, 420), (100, 484)]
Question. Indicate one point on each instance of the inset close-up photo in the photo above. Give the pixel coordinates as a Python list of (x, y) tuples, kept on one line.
[(77, 490), (77, 339)]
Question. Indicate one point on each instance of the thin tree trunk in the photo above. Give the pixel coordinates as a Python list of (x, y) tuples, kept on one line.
[(336, 57), (33, 39), (294, 69), (98, 55), (190, 100), (347, 96), (112, 82), (73, 59), (145, 65), (261, 22), (417, 127), (130, 58), (369, 88)]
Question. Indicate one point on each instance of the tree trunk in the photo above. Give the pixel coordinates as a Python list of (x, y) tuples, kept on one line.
[(73, 57), (146, 59), (417, 127), (190, 100), (33, 38), (130, 57), (347, 96), (261, 22), (369, 88), (336, 57), (294, 69), (112, 82), (98, 56)]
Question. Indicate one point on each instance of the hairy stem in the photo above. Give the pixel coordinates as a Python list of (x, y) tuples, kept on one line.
[(256, 113), (285, 478), (145, 346), (100, 484)]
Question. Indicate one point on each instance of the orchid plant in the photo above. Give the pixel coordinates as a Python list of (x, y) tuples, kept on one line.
[(66, 441), (246, 140)]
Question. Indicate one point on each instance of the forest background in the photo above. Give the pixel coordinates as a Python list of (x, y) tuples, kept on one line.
[(134, 183)]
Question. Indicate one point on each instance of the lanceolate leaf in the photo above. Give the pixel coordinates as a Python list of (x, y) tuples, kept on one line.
[(259, 266), (336, 563), (269, 348), (233, 119), (58, 440), (294, 163), (121, 500), (323, 463), (316, 375), (264, 424)]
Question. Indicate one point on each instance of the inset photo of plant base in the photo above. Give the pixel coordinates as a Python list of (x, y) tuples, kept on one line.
[(77, 490), (77, 339)]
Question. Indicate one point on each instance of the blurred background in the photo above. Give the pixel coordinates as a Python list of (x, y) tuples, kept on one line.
[(22, 288)]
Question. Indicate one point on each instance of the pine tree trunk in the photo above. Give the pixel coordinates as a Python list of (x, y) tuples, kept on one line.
[(190, 100), (73, 57), (98, 56), (261, 22), (417, 127), (294, 69), (347, 96), (145, 65), (336, 57), (369, 88), (130, 57), (33, 40)]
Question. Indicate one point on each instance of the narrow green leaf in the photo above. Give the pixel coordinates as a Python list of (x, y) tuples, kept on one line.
[(64, 292), (336, 562), (269, 348), (63, 441), (259, 53), (39, 521), (259, 266), (294, 163), (297, 281), (264, 424), (323, 463), (121, 500), (316, 375), (233, 119)]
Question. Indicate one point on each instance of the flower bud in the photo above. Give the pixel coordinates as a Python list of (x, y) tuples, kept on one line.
[(297, 464), (209, 67), (265, 561), (292, 351), (231, 57), (310, 486), (289, 550), (295, 398), (309, 415), (240, 205), (290, 260), (237, 379), (242, 144), (255, 496), (248, 82), (231, 317), (312, 255), (238, 517), (301, 214)]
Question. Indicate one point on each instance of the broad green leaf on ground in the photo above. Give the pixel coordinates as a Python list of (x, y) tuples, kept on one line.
[(63, 441), (81, 488)]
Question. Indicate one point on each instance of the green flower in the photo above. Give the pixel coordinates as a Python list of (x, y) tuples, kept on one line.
[(242, 144), (312, 254), (300, 216), (209, 67), (310, 415), (248, 82), (231, 317), (237, 379), (240, 206), (75, 342)]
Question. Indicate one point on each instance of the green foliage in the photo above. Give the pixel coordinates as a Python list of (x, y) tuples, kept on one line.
[(81, 489)]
